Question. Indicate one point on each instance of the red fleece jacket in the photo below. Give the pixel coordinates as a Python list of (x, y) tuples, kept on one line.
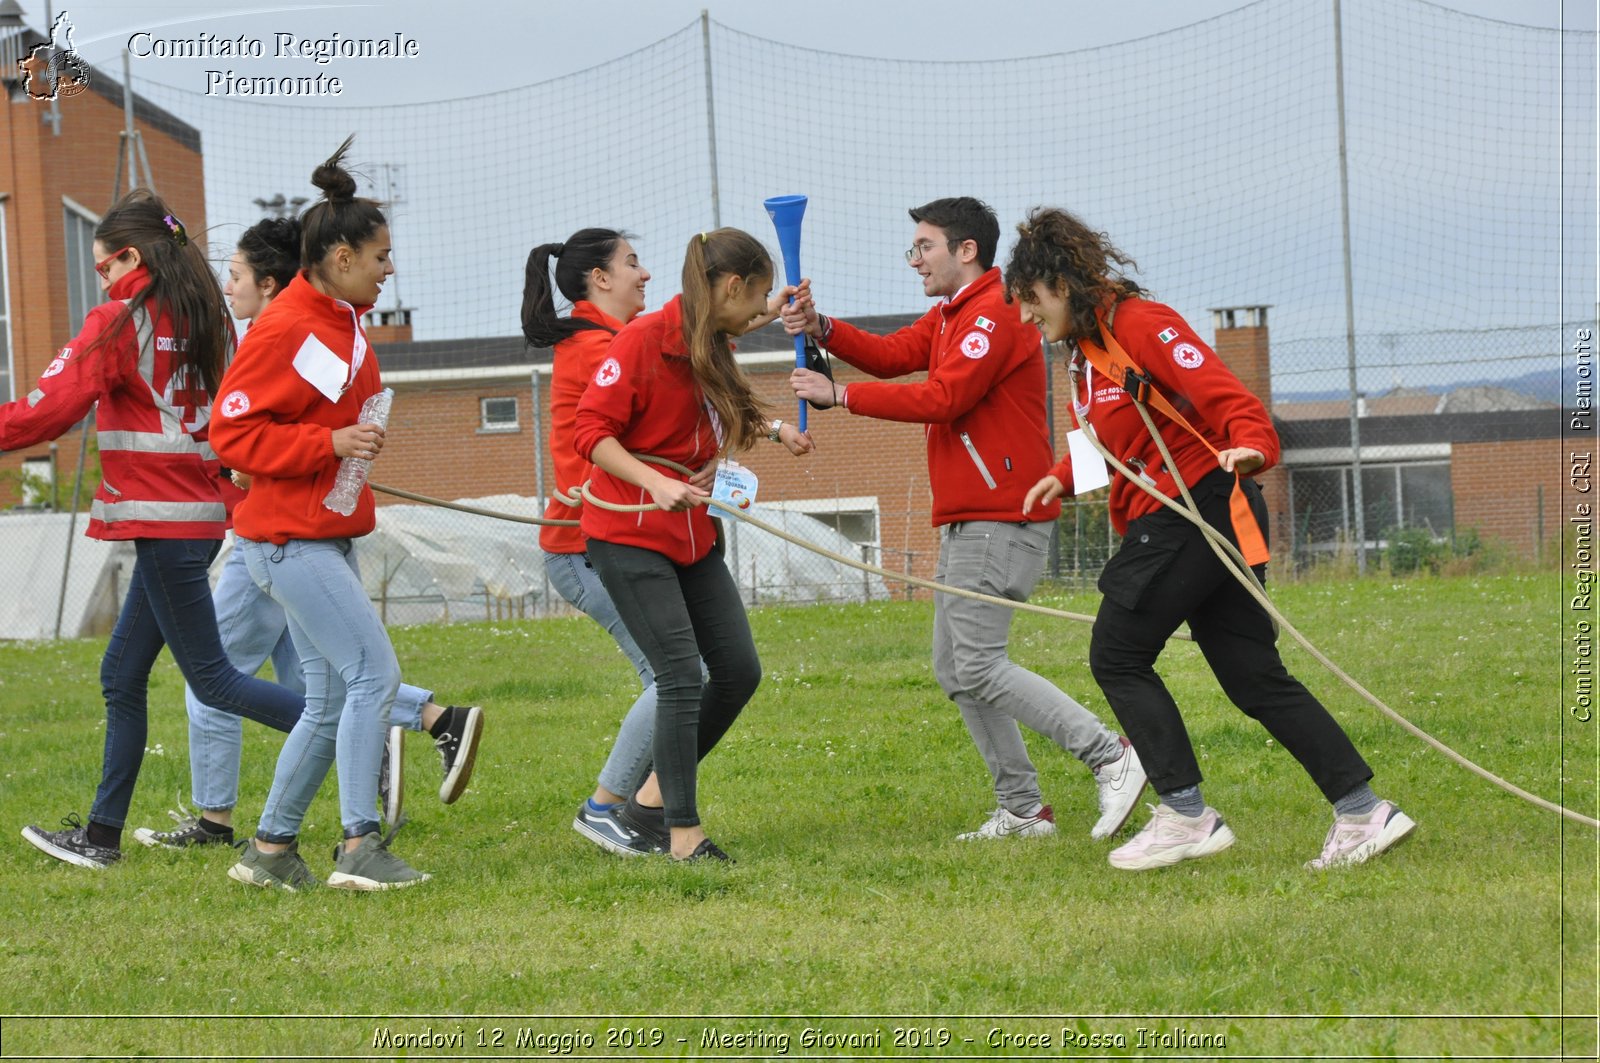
[(984, 400), (645, 396), (276, 425), (1199, 386)]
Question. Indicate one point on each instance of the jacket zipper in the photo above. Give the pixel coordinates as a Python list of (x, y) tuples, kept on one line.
[(983, 469)]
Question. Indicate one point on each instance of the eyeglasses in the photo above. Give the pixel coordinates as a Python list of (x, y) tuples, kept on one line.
[(103, 267), (919, 250)]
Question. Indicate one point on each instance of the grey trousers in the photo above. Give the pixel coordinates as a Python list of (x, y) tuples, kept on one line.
[(993, 692)]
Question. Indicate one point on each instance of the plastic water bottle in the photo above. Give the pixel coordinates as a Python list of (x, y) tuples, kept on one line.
[(353, 471)]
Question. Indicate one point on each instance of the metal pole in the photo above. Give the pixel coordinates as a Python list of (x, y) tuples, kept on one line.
[(1349, 300), (1050, 428), (128, 129), (711, 118), (72, 528), (538, 475)]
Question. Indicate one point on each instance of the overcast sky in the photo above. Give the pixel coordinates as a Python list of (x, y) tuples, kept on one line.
[(516, 42)]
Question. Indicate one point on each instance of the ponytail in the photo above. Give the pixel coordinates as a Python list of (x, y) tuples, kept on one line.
[(585, 251), (711, 256)]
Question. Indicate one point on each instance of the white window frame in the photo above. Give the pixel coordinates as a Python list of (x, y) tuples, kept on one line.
[(497, 428), (91, 281)]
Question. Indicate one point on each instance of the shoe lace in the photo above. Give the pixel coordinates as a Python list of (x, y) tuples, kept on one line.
[(71, 821)]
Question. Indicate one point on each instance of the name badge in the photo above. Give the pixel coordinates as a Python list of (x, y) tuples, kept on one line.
[(321, 368), (735, 486), (1089, 469)]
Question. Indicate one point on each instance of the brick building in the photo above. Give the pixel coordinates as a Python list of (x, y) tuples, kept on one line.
[(63, 176), (470, 419)]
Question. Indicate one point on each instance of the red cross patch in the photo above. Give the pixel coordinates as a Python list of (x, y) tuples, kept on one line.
[(609, 373), (975, 345), (235, 403)]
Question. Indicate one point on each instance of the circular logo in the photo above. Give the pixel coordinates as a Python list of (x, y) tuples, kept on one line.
[(54, 367), (740, 499), (1188, 356), (975, 345), (609, 373), (235, 403)]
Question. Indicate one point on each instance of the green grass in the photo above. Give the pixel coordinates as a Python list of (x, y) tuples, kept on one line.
[(839, 792)]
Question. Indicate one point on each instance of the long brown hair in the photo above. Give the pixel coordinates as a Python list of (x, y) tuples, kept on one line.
[(181, 284), (1057, 249), (713, 255)]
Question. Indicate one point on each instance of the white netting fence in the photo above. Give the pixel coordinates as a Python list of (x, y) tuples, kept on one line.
[(1209, 153)]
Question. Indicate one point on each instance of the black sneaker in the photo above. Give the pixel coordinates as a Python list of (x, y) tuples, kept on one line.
[(606, 829), (188, 832), (457, 743), (72, 845), (707, 850), (648, 827), (391, 776)]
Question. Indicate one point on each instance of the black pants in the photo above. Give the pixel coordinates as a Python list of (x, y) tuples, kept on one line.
[(1165, 574), (679, 616)]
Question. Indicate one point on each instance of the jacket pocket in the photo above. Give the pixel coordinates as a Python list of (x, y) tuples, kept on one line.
[(1131, 577), (977, 459)]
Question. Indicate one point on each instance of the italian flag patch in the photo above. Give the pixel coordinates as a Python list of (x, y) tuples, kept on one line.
[(984, 323), (1167, 335)]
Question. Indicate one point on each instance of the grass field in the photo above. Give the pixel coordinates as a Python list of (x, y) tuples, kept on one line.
[(851, 910)]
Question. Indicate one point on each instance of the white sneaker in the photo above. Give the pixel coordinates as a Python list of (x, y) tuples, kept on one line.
[(1003, 823), (1170, 837), (391, 775), (1120, 783), (1357, 839)]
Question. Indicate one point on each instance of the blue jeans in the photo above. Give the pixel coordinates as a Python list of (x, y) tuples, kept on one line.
[(575, 579), (973, 667), (253, 627), (169, 604), (351, 679)]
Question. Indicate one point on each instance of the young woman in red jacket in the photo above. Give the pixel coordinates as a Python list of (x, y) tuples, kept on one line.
[(289, 413), (151, 358), (1066, 277), (669, 388), (598, 271)]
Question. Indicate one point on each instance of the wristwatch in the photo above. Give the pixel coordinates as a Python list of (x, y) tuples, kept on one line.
[(772, 433)]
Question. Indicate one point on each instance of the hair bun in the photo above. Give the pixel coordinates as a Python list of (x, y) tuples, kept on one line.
[(335, 182)]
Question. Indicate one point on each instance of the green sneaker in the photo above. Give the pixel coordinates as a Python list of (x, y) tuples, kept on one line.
[(283, 870), (371, 866)]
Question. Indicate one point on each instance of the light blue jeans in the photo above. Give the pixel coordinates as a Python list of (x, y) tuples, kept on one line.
[(351, 678), (993, 692), (575, 579), (253, 627)]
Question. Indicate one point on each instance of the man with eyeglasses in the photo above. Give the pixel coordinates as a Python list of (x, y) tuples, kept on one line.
[(984, 405)]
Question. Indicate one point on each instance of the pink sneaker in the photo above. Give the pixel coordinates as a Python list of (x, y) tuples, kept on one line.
[(1357, 839), (1170, 837)]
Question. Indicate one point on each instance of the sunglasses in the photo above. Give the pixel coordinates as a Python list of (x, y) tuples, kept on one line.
[(103, 267)]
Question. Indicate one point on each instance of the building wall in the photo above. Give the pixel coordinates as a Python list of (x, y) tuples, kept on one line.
[(80, 163), (436, 448), (1510, 491)]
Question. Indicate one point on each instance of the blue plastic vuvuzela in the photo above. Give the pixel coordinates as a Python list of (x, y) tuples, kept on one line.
[(786, 212)]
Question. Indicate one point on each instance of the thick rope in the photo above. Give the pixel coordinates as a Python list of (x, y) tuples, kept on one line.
[(1218, 542)]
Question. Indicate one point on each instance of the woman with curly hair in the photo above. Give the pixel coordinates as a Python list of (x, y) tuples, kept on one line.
[(1068, 279)]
